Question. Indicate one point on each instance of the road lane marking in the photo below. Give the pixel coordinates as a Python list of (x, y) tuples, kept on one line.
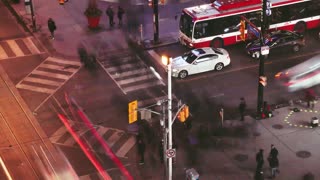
[(42, 81), (15, 47), (142, 86), (3, 54), (31, 46), (136, 79), (35, 88), (113, 138)]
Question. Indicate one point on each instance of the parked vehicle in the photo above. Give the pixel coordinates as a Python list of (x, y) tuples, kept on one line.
[(277, 40), (302, 76), (200, 60)]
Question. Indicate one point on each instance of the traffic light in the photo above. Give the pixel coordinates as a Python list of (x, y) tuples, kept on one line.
[(132, 110), (242, 29), (183, 114), (263, 80)]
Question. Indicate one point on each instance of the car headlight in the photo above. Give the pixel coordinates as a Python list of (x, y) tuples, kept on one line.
[(174, 70)]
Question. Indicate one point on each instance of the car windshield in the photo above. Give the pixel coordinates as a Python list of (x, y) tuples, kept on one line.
[(189, 57)]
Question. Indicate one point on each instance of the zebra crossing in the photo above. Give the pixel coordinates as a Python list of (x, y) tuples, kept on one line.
[(119, 141), (129, 72), (19, 47), (51, 74)]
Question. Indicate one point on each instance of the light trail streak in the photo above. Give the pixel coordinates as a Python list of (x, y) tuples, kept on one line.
[(85, 148), (5, 169)]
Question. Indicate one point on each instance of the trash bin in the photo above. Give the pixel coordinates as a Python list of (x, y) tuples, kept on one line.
[(192, 174)]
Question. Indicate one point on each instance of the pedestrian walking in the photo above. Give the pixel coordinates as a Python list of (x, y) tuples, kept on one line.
[(242, 108), (141, 149), (310, 98), (274, 151), (52, 27), (120, 14), (259, 160), (110, 14), (273, 163)]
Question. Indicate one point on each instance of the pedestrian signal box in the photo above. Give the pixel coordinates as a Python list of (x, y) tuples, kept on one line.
[(263, 80), (132, 111), (183, 114)]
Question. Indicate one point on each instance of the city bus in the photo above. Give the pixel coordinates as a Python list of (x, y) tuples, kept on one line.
[(217, 24)]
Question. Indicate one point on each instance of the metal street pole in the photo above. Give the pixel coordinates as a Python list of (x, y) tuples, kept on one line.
[(261, 59), (169, 118), (33, 17), (155, 21), (164, 136)]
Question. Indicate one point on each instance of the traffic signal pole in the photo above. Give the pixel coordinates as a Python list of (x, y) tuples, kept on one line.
[(261, 59), (169, 119), (155, 21)]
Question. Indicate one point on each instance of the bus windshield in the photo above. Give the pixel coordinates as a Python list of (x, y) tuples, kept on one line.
[(186, 24)]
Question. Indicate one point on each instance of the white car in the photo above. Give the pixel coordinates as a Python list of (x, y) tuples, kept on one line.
[(199, 60)]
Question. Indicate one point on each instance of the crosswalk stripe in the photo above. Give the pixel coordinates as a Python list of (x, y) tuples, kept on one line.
[(56, 67), (52, 59), (141, 86), (42, 81), (142, 103), (50, 74), (31, 46), (136, 79), (15, 48), (70, 141), (34, 88), (125, 148), (121, 60), (3, 54), (129, 73), (134, 64), (101, 130), (156, 57), (113, 139)]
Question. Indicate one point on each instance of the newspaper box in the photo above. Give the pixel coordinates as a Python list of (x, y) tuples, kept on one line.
[(192, 174)]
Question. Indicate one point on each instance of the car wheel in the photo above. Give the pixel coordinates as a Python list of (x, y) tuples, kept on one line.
[(219, 66), (300, 27), (217, 43), (296, 48), (256, 54), (183, 74)]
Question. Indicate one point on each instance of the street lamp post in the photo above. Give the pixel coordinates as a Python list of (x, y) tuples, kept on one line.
[(167, 61)]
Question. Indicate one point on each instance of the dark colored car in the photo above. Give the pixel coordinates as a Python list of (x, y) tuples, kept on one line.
[(277, 40)]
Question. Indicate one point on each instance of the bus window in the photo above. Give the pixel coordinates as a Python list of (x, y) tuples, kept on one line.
[(186, 25)]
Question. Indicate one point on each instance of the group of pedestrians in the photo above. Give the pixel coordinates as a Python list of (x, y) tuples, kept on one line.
[(273, 163), (110, 14)]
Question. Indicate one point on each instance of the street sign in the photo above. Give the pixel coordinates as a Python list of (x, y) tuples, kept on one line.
[(264, 50), (170, 153), (268, 8)]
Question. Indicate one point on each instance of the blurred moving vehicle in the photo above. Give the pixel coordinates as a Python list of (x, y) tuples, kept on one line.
[(277, 40), (302, 76), (199, 60)]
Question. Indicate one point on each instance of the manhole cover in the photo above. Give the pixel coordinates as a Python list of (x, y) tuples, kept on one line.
[(277, 126), (303, 154), (241, 157), (256, 134)]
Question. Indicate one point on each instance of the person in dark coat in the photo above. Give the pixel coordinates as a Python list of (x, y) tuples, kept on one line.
[(110, 14), (120, 14), (141, 149), (259, 160), (242, 108), (52, 27), (274, 163), (274, 152)]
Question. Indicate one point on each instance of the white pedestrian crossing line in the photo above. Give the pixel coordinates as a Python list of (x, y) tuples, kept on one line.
[(142, 86), (62, 137), (52, 72), (130, 73), (136, 79), (31, 46), (124, 66), (3, 54), (14, 46), (41, 81), (126, 147)]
